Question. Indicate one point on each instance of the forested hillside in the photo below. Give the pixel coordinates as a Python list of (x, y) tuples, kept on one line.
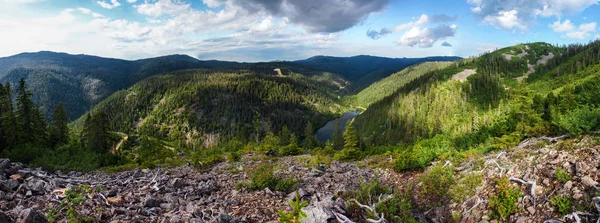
[(364, 70), (491, 102), (81, 81)]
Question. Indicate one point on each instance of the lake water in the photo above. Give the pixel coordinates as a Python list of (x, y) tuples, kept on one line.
[(326, 132)]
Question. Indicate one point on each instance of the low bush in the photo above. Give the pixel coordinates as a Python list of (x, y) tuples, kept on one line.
[(262, 177), (503, 202), (465, 187), (435, 184), (578, 121), (562, 204), (562, 175)]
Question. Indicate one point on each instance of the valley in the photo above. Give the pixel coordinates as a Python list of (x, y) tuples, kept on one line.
[(507, 136)]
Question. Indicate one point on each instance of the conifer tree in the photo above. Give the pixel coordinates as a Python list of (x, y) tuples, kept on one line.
[(310, 140), (24, 114), (284, 136), (59, 131)]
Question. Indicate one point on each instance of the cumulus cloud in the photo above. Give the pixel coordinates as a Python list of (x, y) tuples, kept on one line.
[(108, 5), (313, 15), (562, 26), (583, 31), (520, 14), (162, 7), (446, 44), (424, 19), (426, 37)]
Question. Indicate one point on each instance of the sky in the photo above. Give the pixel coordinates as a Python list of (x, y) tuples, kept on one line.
[(266, 30)]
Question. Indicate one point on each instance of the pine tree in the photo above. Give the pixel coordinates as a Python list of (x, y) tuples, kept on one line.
[(310, 141), (59, 131), (40, 133), (24, 114), (284, 136), (96, 135), (350, 140), (7, 120)]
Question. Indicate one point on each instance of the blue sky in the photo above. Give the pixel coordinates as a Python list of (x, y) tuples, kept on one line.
[(264, 30)]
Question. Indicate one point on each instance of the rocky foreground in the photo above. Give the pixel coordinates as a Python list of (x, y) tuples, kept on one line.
[(186, 194), (181, 194)]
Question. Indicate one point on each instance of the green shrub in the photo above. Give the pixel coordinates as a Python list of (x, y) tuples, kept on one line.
[(296, 215), (436, 183), (407, 162), (285, 185), (466, 187), (70, 205), (348, 154), (262, 177), (503, 202), (562, 204), (562, 175), (578, 121)]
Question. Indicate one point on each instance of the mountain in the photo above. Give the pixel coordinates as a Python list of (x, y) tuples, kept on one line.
[(193, 105), (81, 81), (363, 70)]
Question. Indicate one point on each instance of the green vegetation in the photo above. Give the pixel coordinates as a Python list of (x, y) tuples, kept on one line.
[(296, 215), (74, 198), (503, 202), (435, 184), (387, 86), (562, 175), (262, 177), (465, 187), (562, 204)]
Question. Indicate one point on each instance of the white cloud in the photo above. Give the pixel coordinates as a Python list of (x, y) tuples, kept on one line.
[(506, 20), (588, 27), (162, 7), (520, 15), (426, 37), (582, 32), (109, 5), (562, 27), (131, 1)]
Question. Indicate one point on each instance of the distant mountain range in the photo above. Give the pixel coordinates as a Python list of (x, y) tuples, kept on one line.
[(82, 81)]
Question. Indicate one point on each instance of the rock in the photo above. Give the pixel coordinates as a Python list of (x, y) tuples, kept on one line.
[(577, 195), (16, 177), (539, 191), (301, 192), (546, 181), (588, 181), (37, 186), (582, 168), (166, 206), (225, 218), (206, 187), (521, 220), (531, 210), (568, 185), (4, 165), (153, 202), (112, 193), (115, 200), (28, 193), (4, 217), (177, 183), (32, 216)]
